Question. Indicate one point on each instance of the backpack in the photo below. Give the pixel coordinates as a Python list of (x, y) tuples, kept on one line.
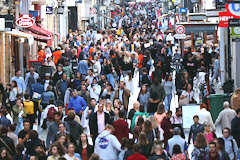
[(50, 114), (202, 154)]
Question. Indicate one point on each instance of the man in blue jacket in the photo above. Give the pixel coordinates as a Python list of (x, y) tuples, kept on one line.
[(77, 103), (195, 129)]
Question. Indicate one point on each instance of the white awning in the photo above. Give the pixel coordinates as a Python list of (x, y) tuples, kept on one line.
[(18, 33)]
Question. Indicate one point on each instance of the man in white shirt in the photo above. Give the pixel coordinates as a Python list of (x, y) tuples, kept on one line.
[(205, 116)]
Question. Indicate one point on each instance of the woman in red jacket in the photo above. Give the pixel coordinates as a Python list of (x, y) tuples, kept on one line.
[(136, 155), (121, 127)]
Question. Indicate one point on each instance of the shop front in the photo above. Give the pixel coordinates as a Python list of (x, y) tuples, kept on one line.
[(199, 33), (15, 50)]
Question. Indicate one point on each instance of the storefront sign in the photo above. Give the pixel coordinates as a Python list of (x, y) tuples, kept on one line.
[(235, 32), (223, 19), (25, 21), (8, 22), (180, 36), (233, 9), (198, 41), (60, 10), (183, 10), (200, 28), (234, 22), (49, 10), (220, 4), (197, 17)]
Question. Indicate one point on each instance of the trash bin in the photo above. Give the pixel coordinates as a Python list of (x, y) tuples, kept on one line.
[(45, 69), (216, 104)]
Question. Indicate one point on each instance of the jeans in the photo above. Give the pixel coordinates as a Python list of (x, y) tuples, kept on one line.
[(167, 101), (110, 78), (140, 76)]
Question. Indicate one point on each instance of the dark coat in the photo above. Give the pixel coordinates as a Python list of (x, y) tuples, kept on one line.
[(194, 130), (9, 142), (235, 125), (93, 125), (90, 150), (56, 78), (75, 130), (31, 144)]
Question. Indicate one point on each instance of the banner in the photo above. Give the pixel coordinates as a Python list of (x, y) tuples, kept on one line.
[(223, 19)]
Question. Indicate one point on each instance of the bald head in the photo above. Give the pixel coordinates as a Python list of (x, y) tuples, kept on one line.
[(226, 104)]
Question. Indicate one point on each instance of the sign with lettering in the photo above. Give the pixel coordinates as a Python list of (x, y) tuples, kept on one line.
[(8, 21), (25, 21), (49, 10), (223, 19), (234, 22)]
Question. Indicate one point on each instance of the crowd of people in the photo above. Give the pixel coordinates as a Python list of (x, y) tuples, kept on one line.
[(82, 100)]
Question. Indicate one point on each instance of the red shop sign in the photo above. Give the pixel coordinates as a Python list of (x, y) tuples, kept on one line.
[(25, 21), (223, 19)]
